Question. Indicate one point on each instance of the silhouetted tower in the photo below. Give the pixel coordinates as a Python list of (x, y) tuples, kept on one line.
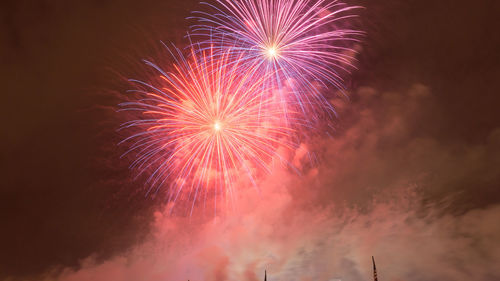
[(374, 270), (265, 275)]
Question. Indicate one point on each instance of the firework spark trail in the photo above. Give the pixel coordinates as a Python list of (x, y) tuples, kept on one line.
[(300, 41), (202, 124)]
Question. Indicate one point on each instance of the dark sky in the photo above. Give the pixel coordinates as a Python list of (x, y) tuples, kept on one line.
[(65, 194)]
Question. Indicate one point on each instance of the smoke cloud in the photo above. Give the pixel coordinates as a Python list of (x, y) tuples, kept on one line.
[(384, 185)]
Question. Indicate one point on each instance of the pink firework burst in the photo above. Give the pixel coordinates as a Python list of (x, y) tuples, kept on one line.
[(305, 44), (202, 124)]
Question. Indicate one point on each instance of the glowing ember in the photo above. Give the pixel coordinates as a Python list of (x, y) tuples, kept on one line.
[(217, 126), (271, 52)]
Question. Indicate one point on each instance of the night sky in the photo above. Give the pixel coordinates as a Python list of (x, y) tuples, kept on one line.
[(411, 174)]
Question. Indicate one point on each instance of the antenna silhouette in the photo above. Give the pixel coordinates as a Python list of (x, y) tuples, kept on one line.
[(374, 270), (265, 275)]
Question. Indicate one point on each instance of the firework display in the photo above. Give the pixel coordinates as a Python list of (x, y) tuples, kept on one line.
[(305, 43), (239, 95), (202, 124)]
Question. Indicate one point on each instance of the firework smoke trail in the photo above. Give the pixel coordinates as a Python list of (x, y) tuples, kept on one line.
[(201, 125), (301, 41)]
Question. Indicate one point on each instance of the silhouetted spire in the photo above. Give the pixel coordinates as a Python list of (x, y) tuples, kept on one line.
[(265, 275), (374, 270)]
